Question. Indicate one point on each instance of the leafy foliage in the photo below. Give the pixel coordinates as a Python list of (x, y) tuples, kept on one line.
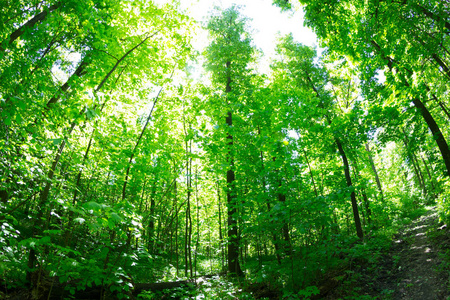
[(118, 168)]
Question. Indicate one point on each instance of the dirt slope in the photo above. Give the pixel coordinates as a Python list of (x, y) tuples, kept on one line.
[(418, 262), (409, 271)]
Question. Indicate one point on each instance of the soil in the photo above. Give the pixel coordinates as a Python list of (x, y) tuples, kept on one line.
[(413, 269), (418, 262)]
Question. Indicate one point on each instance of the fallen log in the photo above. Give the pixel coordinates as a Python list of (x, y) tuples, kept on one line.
[(160, 286), (57, 291)]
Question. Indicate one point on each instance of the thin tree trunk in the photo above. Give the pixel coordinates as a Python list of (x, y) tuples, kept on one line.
[(441, 63), (29, 24), (26, 78), (45, 192), (127, 173), (413, 162), (432, 16), (151, 218), (77, 188), (372, 165), (419, 170), (100, 86), (285, 228), (197, 243), (363, 194), (432, 125), (348, 179), (310, 171), (275, 241), (80, 71), (444, 109), (435, 131), (430, 177), (190, 215), (176, 230), (187, 217), (233, 235), (222, 251)]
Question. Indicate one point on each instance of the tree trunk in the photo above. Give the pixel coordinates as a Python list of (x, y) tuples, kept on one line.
[(37, 18), (222, 251), (348, 179), (151, 219), (285, 228), (372, 165), (197, 243), (264, 183), (176, 229), (419, 170), (363, 194), (233, 235), (432, 16), (127, 173), (444, 109), (429, 177), (432, 125), (310, 172), (80, 71), (435, 131), (187, 223)]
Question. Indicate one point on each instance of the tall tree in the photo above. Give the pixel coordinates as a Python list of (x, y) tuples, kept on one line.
[(407, 40), (310, 80), (228, 57)]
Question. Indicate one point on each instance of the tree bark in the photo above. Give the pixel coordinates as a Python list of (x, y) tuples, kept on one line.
[(222, 251), (435, 131), (429, 177), (127, 173), (432, 16), (413, 163), (80, 71), (37, 18), (285, 228), (363, 193), (233, 235), (374, 169), (348, 179), (419, 170), (310, 172), (151, 218), (432, 125), (274, 235)]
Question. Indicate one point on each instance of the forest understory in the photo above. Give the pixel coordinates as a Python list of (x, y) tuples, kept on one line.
[(414, 266)]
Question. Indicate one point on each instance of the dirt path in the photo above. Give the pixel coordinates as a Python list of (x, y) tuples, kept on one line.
[(411, 270)]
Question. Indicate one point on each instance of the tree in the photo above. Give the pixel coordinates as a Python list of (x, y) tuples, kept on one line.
[(57, 132), (393, 37), (298, 63), (228, 57)]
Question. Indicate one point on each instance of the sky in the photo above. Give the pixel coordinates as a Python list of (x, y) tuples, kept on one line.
[(267, 22)]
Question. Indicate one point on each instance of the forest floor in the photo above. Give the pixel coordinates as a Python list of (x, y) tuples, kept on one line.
[(414, 268)]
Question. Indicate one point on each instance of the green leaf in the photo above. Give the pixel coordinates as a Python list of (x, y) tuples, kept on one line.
[(45, 240), (57, 141)]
